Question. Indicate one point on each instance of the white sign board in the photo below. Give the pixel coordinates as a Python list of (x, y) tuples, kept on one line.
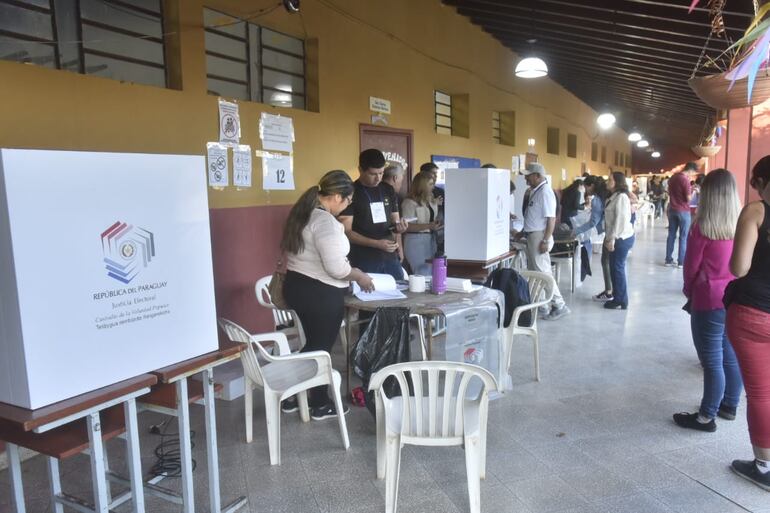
[(477, 212), (216, 163), (276, 132), (277, 172), (229, 123), (105, 270), (242, 166), (380, 105)]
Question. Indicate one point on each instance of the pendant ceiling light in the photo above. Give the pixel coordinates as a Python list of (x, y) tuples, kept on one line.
[(634, 137), (531, 67), (642, 144), (605, 120), (655, 154)]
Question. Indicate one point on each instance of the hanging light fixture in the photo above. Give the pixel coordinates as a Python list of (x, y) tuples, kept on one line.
[(634, 137), (642, 144), (606, 120), (655, 154), (531, 67)]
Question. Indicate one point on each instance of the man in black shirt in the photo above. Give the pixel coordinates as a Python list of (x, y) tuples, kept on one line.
[(372, 221)]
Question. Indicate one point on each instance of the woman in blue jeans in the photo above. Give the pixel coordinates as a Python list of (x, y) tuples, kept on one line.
[(706, 274), (618, 238)]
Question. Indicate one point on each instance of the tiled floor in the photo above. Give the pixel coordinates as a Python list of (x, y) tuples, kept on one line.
[(595, 435)]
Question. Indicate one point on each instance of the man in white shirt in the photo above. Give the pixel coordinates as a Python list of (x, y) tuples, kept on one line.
[(539, 223)]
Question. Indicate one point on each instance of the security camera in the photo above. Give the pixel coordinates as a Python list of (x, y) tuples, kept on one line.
[(291, 6)]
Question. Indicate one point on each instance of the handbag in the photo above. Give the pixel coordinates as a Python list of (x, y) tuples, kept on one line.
[(275, 287)]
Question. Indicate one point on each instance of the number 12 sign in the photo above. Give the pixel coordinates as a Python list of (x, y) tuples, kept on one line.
[(277, 172)]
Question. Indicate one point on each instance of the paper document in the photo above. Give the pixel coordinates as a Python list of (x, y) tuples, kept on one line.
[(459, 285), (384, 288)]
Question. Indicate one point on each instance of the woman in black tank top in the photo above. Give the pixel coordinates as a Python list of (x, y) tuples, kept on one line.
[(748, 321)]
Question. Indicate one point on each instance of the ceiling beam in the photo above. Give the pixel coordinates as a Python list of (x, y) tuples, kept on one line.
[(680, 89), (608, 50), (652, 49), (496, 19), (596, 56), (605, 10)]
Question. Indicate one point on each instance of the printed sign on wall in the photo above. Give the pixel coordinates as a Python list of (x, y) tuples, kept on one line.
[(229, 123)]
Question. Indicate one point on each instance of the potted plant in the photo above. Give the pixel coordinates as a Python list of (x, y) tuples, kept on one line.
[(744, 80)]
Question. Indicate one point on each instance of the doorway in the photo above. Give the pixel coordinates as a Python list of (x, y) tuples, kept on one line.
[(395, 144)]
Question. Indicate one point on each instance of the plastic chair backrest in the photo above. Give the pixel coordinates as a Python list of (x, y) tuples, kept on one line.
[(280, 317), (541, 285), (251, 365), (437, 411)]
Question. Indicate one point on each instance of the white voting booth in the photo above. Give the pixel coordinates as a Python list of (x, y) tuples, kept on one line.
[(477, 213), (105, 270)]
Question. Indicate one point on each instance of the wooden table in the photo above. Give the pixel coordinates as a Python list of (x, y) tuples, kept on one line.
[(479, 270), (176, 376), (424, 304), (66, 428)]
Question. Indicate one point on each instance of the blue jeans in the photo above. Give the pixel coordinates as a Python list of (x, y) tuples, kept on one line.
[(677, 221), (722, 381), (618, 269)]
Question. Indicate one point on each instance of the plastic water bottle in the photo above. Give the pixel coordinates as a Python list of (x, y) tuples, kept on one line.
[(438, 283)]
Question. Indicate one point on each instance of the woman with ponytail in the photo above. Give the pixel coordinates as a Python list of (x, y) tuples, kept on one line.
[(318, 272)]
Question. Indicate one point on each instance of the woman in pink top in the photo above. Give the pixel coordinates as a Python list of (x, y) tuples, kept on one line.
[(706, 274)]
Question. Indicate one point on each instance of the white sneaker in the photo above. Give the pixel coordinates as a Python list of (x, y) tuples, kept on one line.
[(558, 313)]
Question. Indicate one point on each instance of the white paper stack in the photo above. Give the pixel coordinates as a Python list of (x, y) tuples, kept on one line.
[(459, 285), (384, 288)]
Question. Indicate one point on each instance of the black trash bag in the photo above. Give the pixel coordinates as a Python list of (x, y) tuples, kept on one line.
[(384, 342)]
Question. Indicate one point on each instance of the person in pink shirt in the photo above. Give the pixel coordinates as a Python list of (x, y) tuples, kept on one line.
[(706, 275), (679, 192)]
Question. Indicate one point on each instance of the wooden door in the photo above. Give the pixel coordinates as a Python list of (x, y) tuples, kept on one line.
[(395, 143)]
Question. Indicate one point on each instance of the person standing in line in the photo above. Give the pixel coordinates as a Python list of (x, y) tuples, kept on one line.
[(679, 192), (372, 222), (596, 189), (393, 175), (318, 273), (420, 239), (572, 198), (706, 275), (539, 223), (439, 194), (748, 321), (618, 238)]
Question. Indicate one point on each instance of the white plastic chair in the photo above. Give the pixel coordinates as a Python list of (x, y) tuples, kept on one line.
[(281, 377), (646, 212), (285, 321), (541, 287), (437, 414)]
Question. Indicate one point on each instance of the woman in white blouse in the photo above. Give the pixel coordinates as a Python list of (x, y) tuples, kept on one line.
[(618, 238), (420, 237), (318, 272)]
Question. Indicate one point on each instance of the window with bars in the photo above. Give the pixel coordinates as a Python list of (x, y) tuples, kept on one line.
[(250, 62), (552, 140), (443, 103), (118, 39), (572, 145)]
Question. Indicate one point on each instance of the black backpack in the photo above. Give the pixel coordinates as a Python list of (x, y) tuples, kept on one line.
[(516, 291)]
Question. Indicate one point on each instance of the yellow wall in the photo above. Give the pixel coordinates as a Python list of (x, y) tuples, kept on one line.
[(400, 50)]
